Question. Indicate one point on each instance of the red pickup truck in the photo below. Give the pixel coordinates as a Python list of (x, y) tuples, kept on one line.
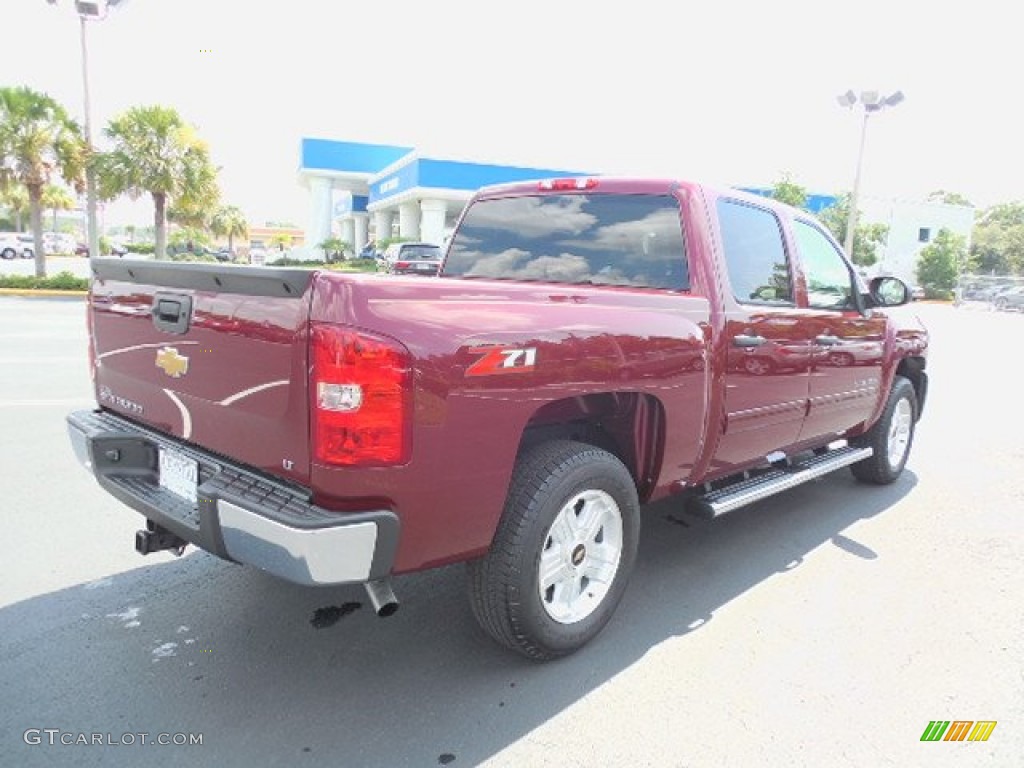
[(590, 345)]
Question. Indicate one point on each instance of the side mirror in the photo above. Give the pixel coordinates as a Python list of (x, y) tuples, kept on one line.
[(888, 292)]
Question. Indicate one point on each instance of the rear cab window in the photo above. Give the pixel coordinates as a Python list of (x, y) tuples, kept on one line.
[(593, 239)]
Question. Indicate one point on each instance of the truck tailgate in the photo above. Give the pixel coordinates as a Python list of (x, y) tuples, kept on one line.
[(214, 355)]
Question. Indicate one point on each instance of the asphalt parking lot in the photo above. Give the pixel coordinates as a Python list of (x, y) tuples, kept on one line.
[(824, 627)]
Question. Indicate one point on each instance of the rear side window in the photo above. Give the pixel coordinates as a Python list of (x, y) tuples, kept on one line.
[(602, 239), (754, 254)]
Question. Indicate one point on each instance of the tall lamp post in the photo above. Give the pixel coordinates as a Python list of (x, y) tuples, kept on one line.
[(872, 102), (90, 10)]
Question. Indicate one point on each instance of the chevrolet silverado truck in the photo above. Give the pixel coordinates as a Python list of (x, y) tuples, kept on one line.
[(591, 345)]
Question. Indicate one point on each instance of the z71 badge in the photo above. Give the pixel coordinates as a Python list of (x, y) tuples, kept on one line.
[(495, 360)]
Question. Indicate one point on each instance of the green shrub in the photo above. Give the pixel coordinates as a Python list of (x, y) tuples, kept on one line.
[(62, 281), (189, 256)]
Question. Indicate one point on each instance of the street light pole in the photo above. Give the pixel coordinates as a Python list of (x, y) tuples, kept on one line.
[(86, 10), (872, 102), (851, 216), (90, 171)]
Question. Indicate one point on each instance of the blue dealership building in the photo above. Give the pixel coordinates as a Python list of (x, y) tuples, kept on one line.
[(362, 190), (405, 193)]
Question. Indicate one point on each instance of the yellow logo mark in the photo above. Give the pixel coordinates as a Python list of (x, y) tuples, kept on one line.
[(171, 363)]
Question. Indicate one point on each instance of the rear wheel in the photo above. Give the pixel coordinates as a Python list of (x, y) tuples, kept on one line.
[(563, 551), (890, 437), (8, 253)]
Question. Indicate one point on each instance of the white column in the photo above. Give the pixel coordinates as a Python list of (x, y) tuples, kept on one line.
[(348, 230), (361, 222), (409, 220), (432, 221), (320, 213), (382, 221)]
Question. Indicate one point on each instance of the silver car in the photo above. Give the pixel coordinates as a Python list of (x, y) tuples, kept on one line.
[(13, 244)]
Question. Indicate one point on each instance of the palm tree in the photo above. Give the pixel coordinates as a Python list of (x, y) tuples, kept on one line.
[(38, 142), (229, 221), (15, 198), (156, 152), (57, 198)]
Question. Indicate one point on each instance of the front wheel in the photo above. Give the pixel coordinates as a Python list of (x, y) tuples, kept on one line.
[(890, 437), (563, 551)]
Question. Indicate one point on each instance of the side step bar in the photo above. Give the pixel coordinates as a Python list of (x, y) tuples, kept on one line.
[(743, 492)]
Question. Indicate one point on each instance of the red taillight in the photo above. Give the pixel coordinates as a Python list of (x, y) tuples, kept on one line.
[(360, 395), (564, 184), (401, 264)]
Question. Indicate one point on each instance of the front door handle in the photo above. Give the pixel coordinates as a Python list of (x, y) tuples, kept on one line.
[(828, 341), (746, 341)]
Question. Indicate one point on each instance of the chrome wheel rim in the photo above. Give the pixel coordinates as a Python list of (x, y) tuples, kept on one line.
[(899, 432), (580, 558)]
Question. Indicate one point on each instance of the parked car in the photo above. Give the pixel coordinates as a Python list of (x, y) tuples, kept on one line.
[(916, 292), (369, 251), (14, 244), (411, 259), (1012, 298)]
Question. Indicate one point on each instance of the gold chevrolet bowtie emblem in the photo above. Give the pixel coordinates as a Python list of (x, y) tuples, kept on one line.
[(171, 363)]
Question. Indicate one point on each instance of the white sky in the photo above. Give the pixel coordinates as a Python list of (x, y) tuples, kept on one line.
[(736, 92)]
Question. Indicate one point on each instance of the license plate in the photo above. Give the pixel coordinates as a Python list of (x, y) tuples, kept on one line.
[(179, 474), (424, 267)]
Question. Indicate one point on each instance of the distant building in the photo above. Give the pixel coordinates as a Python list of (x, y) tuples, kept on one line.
[(912, 226), (419, 198), (264, 237), (349, 182)]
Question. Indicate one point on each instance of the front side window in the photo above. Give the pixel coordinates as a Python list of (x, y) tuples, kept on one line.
[(754, 254), (829, 284), (596, 239)]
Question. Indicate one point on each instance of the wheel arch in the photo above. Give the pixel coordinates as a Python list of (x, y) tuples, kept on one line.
[(913, 368), (629, 425)]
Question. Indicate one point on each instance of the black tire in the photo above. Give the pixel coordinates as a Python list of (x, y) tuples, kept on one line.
[(504, 585), (8, 253), (881, 468), (28, 253)]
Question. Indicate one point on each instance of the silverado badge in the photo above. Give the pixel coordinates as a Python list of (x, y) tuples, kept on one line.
[(171, 363)]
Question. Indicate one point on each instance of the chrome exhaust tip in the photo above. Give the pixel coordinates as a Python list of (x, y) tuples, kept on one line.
[(382, 597)]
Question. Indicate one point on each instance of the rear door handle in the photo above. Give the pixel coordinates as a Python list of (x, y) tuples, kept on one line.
[(746, 341), (828, 341)]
